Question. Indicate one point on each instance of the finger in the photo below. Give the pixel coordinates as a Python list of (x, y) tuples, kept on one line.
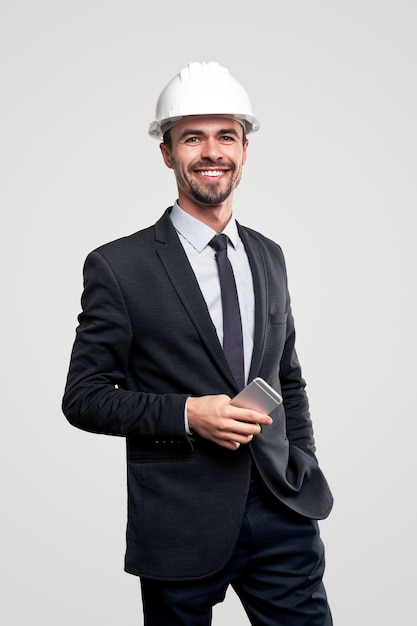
[(238, 438), (230, 445), (244, 415), (243, 429), (232, 429)]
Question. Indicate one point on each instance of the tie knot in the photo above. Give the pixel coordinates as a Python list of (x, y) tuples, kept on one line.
[(219, 242)]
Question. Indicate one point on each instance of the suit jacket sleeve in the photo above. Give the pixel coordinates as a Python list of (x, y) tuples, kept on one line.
[(96, 398)]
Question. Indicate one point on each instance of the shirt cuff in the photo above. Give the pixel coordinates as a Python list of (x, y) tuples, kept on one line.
[(187, 429)]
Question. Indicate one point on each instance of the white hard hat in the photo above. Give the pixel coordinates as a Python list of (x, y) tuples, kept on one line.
[(202, 89)]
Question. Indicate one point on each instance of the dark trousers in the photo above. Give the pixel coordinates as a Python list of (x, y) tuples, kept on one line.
[(276, 570)]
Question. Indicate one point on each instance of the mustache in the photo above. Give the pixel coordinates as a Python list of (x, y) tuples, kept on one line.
[(200, 165)]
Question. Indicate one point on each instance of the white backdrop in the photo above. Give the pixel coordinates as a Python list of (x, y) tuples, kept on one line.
[(330, 176)]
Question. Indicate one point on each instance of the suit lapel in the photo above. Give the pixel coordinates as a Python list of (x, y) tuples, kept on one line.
[(182, 277), (257, 265)]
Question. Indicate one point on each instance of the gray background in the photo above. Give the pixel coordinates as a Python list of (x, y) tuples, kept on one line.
[(330, 176)]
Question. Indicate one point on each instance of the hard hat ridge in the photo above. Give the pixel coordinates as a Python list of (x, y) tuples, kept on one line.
[(202, 89)]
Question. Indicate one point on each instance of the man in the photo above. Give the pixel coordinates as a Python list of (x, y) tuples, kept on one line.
[(218, 495)]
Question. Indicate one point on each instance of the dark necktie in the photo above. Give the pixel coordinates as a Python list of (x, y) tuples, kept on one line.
[(232, 324)]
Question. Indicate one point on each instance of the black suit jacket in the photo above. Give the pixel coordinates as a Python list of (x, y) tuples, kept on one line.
[(145, 342)]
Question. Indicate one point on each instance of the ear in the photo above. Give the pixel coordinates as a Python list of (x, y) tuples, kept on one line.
[(245, 151), (166, 155)]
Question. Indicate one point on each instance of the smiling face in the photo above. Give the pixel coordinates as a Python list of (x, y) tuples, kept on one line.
[(207, 155)]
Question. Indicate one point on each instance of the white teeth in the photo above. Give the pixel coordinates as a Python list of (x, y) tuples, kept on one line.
[(212, 173)]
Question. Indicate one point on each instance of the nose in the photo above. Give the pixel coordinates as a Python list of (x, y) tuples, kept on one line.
[(211, 149)]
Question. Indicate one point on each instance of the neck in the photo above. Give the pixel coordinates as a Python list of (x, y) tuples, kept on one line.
[(214, 216)]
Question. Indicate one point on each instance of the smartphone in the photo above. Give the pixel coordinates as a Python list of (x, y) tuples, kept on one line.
[(259, 396)]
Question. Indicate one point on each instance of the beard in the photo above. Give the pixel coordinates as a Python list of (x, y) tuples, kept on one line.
[(209, 193)]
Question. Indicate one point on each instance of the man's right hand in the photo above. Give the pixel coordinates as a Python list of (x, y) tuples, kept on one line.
[(214, 418)]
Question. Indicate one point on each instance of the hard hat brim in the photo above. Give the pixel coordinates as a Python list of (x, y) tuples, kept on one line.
[(158, 127)]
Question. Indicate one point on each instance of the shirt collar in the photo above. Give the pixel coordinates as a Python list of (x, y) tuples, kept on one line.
[(196, 232)]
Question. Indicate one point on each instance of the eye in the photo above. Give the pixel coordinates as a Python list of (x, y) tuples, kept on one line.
[(192, 139)]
